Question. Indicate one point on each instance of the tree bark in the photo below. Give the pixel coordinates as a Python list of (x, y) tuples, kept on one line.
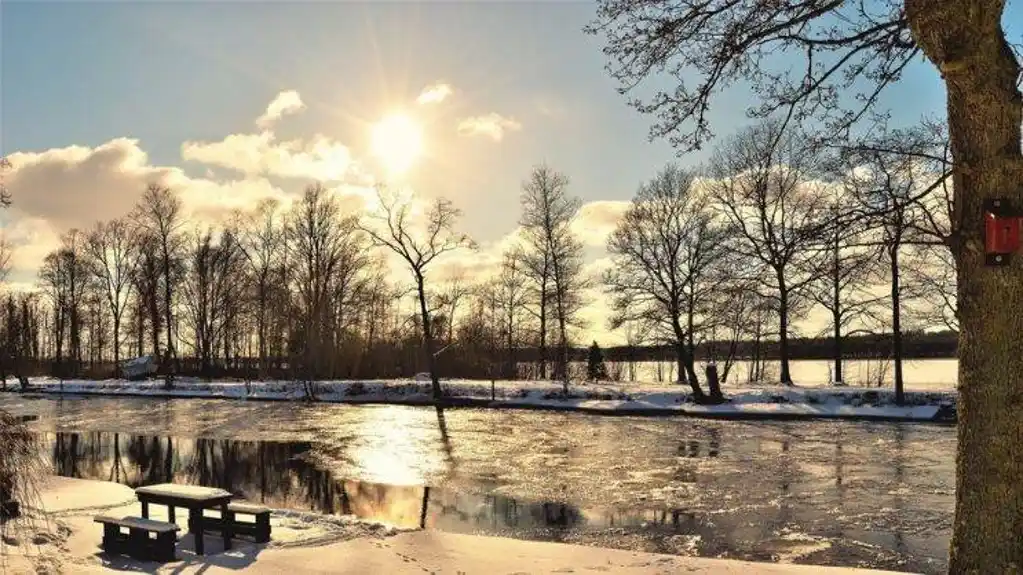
[(685, 363), (431, 358), (117, 344), (543, 333), (897, 323), (783, 329), (169, 312), (836, 312), (985, 110)]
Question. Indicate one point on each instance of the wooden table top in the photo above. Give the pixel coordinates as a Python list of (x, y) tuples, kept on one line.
[(183, 492)]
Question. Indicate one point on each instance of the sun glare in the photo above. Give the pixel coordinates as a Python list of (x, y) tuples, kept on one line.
[(397, 141)]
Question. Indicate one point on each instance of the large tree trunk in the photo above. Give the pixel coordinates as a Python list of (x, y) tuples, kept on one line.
[(836, 311), (964, 38), (685, 363), (431, 358), (783, 334), (836, 317), (543, 333), (117, 344), (897, 322)]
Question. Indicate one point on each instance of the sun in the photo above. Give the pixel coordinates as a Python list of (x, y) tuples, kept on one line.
[(397, 141)]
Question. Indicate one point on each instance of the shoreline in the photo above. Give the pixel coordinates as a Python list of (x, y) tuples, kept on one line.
[(766, 403)]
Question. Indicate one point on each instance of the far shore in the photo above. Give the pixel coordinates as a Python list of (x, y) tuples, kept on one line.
[(763, 402)]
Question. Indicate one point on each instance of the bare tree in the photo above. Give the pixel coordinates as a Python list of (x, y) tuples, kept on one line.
[(760, 183), (449, 299), (112, 249), (159, 213), (843, 286), (930, 266), (261, 242), (553, 256), (418, 246), (328, 256), (862, 47), (65, 273), (511, 291), (891, 183), (738, 313), (663, 250), (209, 288), (146, 284)]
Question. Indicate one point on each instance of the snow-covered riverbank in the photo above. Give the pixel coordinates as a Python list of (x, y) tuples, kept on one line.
[(766, 402), (67, 542)]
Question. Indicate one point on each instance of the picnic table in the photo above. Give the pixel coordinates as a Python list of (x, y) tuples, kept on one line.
[(191, 497)]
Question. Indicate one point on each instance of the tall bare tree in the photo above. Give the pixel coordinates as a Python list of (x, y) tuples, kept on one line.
[(159, 213), (892, 184), (511, 291), (112, 248), (209, 290), (760, 184), (418, 244), (862, 47), (261, 241), (65, 273), (328, 255), (844, 284), (664, 250), (553, 256)]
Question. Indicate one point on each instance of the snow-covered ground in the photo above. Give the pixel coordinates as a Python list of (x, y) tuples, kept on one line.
[(765, 401), (67, 542)]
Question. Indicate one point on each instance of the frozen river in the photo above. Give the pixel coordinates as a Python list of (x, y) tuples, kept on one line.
[(856, 494)]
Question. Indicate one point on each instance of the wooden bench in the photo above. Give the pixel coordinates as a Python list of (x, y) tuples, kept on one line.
[(138, 543), (259, 529)]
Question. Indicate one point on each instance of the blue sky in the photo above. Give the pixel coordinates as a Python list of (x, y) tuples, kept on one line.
[(164, 73)]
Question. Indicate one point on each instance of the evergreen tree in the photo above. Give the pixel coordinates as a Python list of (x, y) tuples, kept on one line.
[(595, 368)]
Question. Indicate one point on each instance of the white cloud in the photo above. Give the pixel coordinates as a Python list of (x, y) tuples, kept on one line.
[(595, 221), (77, 186), (31, 239), (287, 102), (261, 154), (492, 125), (434, 94)]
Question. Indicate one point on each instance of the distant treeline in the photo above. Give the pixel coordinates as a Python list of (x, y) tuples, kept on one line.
[(916, 345)]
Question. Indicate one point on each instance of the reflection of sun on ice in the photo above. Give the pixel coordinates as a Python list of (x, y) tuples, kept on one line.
[(397, 141)]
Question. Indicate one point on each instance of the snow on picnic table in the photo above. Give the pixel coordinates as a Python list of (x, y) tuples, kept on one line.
[(768, 401)]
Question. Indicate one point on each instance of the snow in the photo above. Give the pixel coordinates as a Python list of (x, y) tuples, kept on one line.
[(308, 543), (759, 401)]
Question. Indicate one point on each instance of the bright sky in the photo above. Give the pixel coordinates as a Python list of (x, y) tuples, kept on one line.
[(230, 102)]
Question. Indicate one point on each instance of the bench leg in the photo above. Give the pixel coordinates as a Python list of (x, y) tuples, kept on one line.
[(170, 513), (228, 519), (195, 528), (111, 538), (263, 528), (165, 543), (145, 510), (138, 544)]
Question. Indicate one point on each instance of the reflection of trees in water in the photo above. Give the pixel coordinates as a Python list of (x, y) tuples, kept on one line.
[(900, 480), (280, 474), (460, 511)]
